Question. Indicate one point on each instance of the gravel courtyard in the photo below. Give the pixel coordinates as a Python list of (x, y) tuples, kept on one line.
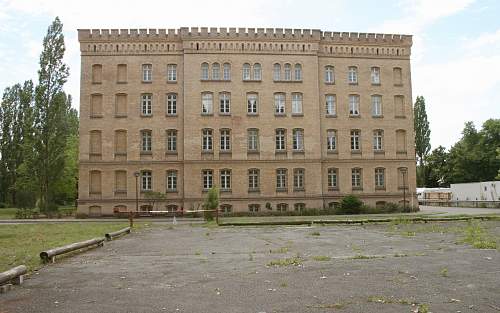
[(371, 268)]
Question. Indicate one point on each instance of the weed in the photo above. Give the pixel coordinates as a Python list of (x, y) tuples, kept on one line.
[(283, 285), (408, 233), (280, 250), (400, 255), (391, 300), (321, 258), (197, 253), (444, 272), (316, 233), (356, 248), (423, 308), (365, 257), (250, 257), (478, 237), (338, 306), (287, 262)]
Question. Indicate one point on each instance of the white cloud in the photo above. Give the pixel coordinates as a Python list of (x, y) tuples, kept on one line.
[(484, 40)]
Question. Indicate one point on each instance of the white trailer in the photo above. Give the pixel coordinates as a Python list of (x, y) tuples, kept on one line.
[(481, 191)]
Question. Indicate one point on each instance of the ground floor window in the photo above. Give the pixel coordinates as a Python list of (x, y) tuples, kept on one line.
[(299, 207), (253, 207)]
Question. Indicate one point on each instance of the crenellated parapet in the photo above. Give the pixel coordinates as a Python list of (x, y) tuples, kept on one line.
[(258, 40)]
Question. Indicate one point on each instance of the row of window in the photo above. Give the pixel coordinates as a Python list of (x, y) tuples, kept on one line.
[(250, 72), (253, 140), (253, 179), (252, 101)]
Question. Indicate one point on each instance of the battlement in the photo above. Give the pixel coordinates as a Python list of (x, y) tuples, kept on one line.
[(233, 33)]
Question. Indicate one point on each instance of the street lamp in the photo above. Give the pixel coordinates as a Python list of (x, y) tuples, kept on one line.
[(137, 174), (403, 172)]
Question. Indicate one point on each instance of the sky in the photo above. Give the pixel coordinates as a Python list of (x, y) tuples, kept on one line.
[(455, 54)]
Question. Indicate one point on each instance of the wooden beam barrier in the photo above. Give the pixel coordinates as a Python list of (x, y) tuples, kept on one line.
[(110, 236), (50, 255), (13, 276)]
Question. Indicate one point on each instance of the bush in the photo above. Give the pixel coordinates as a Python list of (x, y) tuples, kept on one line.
[(2, 205), (24, 213), (81, 215), (350, 205)]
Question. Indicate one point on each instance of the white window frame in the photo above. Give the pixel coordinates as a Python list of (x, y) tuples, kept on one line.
[(146, 180), (207, 142), (225, 103), (253, 139), (280, 139), (354, 105), (376, 105), (171, 180), (297, 103), (298, 139), (226, 71), (333, 178), (375, 75), (329, 74), (257, 71), (225, 179), (356, 178), (355, 140), (216, 71), (287, 71), (279, 103), (172, 104), (252, 103), (147, 72), (171, 140), (379, 177), (331, 140), (246, 71), (281, 178), (378, 140), (146, 140), (225, 140), (299, 176), (207, 103), (147, 104), (352, 76), (172, 72), (253, 179), (276, 72), (207, 179), (205, 71), (298, 72), (331, 105)]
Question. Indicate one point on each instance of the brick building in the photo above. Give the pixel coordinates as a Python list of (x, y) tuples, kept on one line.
[(293, 118)]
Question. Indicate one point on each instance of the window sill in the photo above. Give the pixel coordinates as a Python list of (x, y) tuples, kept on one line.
[(224, 114), (120, 154), (121, 83), (331, 115), (207, 152), (378, 151), (356, 152), (225, 190), (288, 81), (332, 152), (96, 116), (120, 115), (253, 152), (172, 191), (398, 85), (171, 115), (298, 151), (280, 152), (95, 154), (146, 115), (376, 84), (353, 84), (333, 188), (252, 114), (299, 189), (120, 192), (355, 115), (329, 83), (207, 114), (172, 82), (252, 80), (147, 82), (253, 190), (216, 80), (171, 153), (146, 153), (280, 114), (377, 116), (297, 114), (281, 189), (226, 152), (400, 116)]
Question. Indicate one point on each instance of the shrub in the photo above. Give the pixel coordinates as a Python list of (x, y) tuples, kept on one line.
[(211, 203), (2, 205), (81, 215), (350, 205)]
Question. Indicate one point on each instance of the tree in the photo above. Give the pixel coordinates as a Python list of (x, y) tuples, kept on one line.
[(422, 136), (211, 202), (51, 117), (437, 168)]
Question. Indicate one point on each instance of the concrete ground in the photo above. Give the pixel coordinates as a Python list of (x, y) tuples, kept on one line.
[(372, 268), (455, 210)]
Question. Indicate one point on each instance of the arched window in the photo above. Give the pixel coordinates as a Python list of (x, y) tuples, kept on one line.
[(379, 178), (95, 182), (204, 71), (257, 71), (298, 72), (288, 71), (226, 71), (378, 140), (216, 71), (96, 73), (246, 71), (276, 72), (329, 75)]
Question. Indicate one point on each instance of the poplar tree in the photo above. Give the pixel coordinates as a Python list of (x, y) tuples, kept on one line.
[(422, 136)]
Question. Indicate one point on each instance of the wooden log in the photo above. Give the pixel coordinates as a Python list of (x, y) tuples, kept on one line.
[(14, 274), (49, 255), (109, 236)]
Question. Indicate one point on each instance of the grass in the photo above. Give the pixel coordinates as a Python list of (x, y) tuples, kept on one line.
[(316, 233), (444, 272), (338, 306), (295, 261), (10, 213), (365, 257), (7, 213), (22, 243), (321, 258), (280, 250), (477, 236), (391, 300)]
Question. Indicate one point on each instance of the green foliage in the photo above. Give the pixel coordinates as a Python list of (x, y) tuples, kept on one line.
[(350, 205), (478, 237), (422, 137), (211, 203)]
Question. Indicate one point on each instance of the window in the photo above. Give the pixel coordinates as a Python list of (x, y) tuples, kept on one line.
[(207, 140), (253, 179), (378, 140), (331, 140), (96, 73), (296, 103), (288, 71), (399, 107), (355, 140), (376, 105), (252, 102), (208, 179), (120, 142), (401, 141), (329, 75), (402, 178), (226, 71), (246, 71), (379, 178), (120, 181), (299, 207), (172, 104), (298, 178), (356, 178), (298, 72), (146, 141), (225, 103), (257, 71), (216, 71), (279, 103), (146, 181), (226, 208), (204, 71), (225, 140), (353, 105), (353, 75), (253, 139), (171, 140), (298, 139), (276, 72), (96, 105), (120, 105), (147, 72), (95, 142), (331, 105), (225, 179), (253, 207), (375, 75), (281, 178), (171, 180), (147, 104), (281, 207), (95, 182), (207, 103), (332, 178), (172, 72), (397, 76), (280, 139), (121, 73)]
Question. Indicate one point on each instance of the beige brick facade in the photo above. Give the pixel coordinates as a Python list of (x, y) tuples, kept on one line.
[(347, 121)]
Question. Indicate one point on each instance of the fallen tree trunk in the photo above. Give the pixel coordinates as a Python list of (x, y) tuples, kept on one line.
[(110, 236), (50, 255), (14, 274)]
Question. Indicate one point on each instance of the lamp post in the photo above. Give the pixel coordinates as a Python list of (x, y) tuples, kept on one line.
[(137, 174), (403, 172)]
